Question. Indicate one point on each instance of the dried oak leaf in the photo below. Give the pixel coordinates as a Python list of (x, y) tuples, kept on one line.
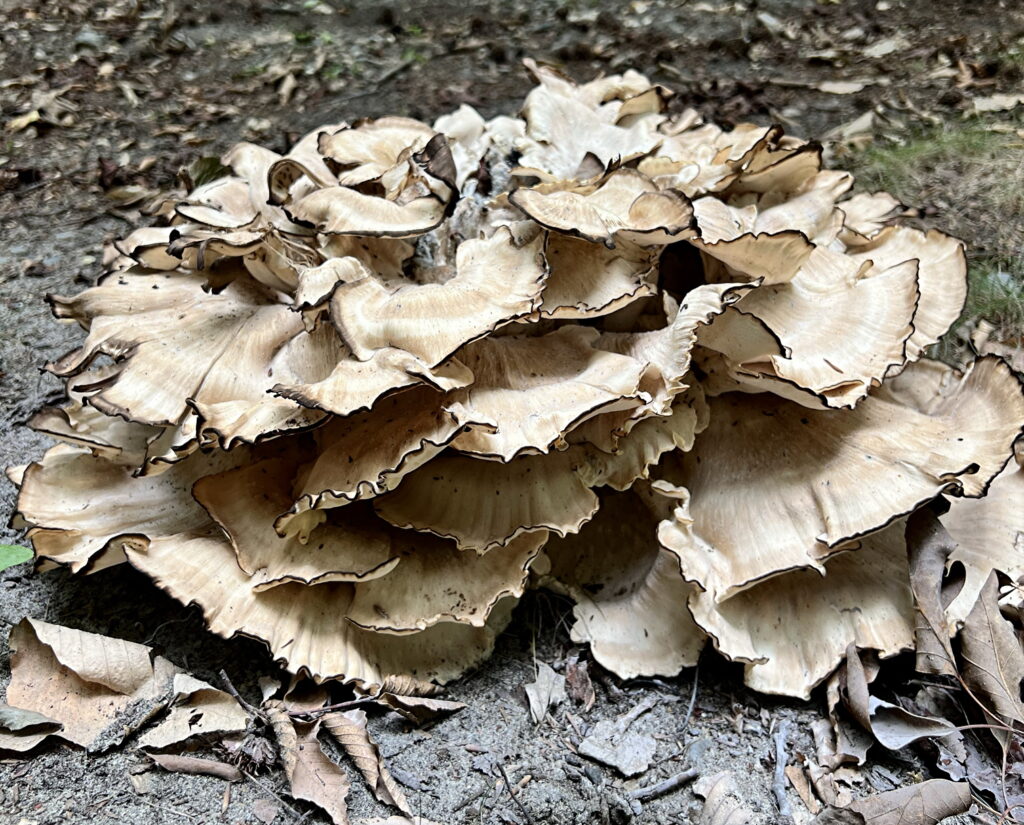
[(349, 729), (312, 776)]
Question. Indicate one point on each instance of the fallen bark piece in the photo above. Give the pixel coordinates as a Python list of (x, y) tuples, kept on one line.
[(611, 743), (312, 776), (545, 694), (349, 729), (176, 763), (98, 688)]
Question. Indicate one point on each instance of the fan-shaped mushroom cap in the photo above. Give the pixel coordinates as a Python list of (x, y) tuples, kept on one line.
[(730, 235), (623, 204), (372, 148), (941, 273), (569, 134), (630, 596), (496, 282), (802, 483), (435, 582), (793, 631), (644, 445), (588, 280), (303, 626), (366, 455), (246, 500), (74, 504), (355, 385), (871, 312), (536, 389), (484, 504), (865, 215)]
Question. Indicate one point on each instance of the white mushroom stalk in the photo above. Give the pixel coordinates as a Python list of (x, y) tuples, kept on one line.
[(355, 399)]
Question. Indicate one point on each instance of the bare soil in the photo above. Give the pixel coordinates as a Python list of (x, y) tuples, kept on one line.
[(128, 93)]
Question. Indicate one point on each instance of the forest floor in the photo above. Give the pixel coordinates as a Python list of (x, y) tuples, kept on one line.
[(102, 104)]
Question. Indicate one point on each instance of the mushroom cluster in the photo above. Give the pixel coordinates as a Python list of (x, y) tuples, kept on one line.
[(354, 399)]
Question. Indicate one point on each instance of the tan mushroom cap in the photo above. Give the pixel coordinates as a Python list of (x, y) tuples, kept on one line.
[(355, 385), (182, 345), (535, 389), (802, 483), (343, 211), (148, 247), (365, 455), (109, 437), (436, 582), (630, 596), (644, 445), (668, 351), (589, 280), (624, 204), (731, 236), (484, 504), (698, 158), (496, 282), (304, 627), (866, 214), (793, 631), (569, 133), (870, 312), (942, 277), (317, 284), (245, 502), (74, 504), (224, 203), (371, 148)]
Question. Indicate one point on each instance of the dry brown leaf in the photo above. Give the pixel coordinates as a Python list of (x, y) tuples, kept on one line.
[(930, 546), (404, 685), (311, 775), (721, 804), (546, 693), (802, 785), (578, 684), (992, 661), (100, 689), (922, 804), (419, 709), (349, 728), (197, 708), (891, 725), (193, 765)]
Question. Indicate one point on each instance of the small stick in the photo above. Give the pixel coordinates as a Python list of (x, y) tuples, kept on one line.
[(255, 713), (666, 786), (512, 793), (693, 698), (779, 783), (352, 703)]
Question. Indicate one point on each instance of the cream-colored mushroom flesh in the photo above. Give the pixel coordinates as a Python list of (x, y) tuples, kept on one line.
[(354, 399)]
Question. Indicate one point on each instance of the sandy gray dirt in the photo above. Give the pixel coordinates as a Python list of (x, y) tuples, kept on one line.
[(206, 75)]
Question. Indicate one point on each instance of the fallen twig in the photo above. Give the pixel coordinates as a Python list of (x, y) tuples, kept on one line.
[(254, 712), (512, 793), (666, 786)]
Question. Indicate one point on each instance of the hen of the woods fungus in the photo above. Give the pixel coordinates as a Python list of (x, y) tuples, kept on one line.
[(354, 399)]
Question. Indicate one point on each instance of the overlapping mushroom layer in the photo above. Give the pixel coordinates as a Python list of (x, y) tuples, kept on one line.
[(354, 399)]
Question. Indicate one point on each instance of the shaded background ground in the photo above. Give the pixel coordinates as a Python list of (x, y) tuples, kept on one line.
[(103, 103)]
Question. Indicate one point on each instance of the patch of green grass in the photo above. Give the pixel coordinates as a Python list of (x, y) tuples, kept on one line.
[(996, 294)]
